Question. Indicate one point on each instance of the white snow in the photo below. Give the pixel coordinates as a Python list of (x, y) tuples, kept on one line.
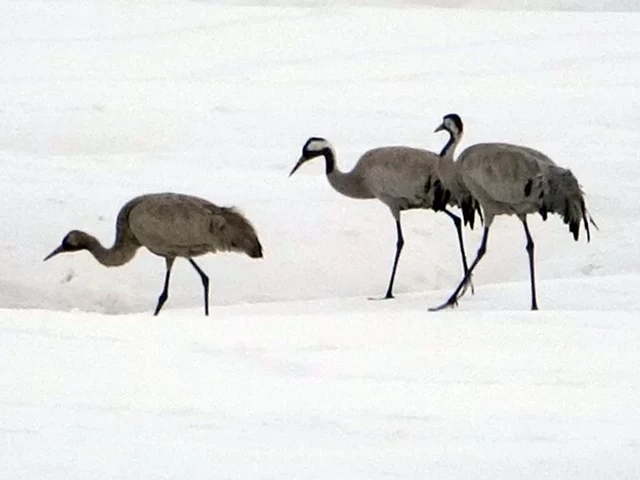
[(296, 374)]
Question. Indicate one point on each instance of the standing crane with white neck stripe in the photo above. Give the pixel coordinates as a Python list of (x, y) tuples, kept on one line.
[(515, 180), (402, 178)]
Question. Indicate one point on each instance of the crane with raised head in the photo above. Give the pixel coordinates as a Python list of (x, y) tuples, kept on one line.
[(402, 178), (515, 180)]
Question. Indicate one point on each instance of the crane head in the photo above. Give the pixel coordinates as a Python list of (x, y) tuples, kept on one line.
[(314, 147), (452, 123), (72, 242)]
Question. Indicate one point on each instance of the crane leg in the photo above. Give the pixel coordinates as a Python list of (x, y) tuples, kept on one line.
[(399, 245), (530, 248), (165, 291), (459, 291), (205, 284), (458, 224)]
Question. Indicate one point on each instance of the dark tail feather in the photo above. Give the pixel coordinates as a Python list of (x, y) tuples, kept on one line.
[(560, 193), (587, 219), (469, 207), (584, 220), (441, 196)]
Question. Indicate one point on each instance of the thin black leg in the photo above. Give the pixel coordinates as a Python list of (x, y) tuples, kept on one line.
[(530, 248), (458, 224), (399, 245), (453, 299), (165, 291), (205, 284)]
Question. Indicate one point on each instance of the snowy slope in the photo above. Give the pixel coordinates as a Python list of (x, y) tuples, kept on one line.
[(519, 5), (107, 101), (305, 390), (296, 374)]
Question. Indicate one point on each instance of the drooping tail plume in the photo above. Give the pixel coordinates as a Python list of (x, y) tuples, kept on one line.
[(558, 191)]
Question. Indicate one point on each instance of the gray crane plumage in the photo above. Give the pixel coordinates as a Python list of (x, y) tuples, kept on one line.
[(402, 178), (170, 225), (510, 179)]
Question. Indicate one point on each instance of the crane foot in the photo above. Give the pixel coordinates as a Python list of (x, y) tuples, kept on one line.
[(451, 303), (386, 297)]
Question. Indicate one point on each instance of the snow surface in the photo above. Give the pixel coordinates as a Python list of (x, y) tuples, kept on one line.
[(296, 374)]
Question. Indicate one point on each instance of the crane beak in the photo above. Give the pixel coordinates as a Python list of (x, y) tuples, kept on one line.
[(54, 253), (439, 129), (300, 162)]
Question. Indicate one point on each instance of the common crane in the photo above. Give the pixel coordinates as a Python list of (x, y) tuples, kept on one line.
[(402, 178), (515, 180), (170, 225)]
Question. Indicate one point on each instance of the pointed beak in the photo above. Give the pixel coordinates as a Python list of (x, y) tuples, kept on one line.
[(54, 253), (439, 129), (300, 162)]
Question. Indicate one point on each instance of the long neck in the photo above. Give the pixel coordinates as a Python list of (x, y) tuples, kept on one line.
[(447, 168), (451, 145), (120, 253), (348, 184), (330, 160)]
